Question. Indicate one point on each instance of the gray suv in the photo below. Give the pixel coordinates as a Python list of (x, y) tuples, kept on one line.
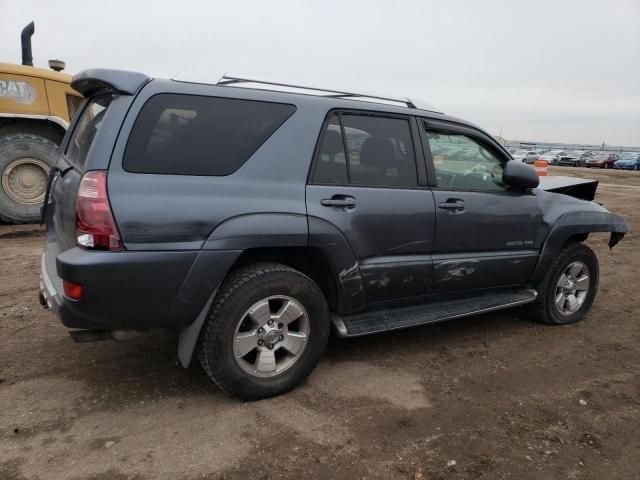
[(252, 217)]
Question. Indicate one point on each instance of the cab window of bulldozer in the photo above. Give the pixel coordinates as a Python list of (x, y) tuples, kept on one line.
[(86, 129)]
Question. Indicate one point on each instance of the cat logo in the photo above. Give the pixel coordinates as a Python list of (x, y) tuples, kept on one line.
[(18, 91)]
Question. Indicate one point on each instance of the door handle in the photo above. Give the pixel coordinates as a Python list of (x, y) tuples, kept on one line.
[(339, 201), (455, 205)]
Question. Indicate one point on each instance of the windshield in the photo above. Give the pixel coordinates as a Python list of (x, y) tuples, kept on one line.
[(86, 128), (628, 156), (553, 152), (521, 152), (601, 156)]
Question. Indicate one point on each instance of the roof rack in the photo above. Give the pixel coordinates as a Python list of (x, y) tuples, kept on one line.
[(236, 80)]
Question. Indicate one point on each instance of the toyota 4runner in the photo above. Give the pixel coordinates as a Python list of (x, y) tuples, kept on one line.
[(251, 217)]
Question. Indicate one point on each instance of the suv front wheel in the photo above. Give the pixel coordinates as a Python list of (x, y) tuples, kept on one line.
[(265, 332), (567, 291)]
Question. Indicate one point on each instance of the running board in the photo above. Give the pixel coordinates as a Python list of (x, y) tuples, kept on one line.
[(403, 317)]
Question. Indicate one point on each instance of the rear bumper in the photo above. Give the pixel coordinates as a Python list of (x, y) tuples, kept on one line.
[(47, 289), (132, 290)]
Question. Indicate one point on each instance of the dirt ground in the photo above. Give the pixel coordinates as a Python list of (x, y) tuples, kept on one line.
[(492, 396)]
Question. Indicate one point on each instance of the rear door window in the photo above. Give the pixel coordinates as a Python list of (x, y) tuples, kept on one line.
[(85, 130), (198, 135), (367, 150)]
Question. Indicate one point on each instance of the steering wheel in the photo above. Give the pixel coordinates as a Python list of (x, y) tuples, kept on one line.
[(479, 171)]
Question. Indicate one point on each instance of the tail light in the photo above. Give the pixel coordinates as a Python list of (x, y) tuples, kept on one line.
[(95, 227)]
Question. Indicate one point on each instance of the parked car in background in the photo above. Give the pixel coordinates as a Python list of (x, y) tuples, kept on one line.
[(575, 158), (526, 156), (628, 161), (553, 156), (568, 160), (602, 160)]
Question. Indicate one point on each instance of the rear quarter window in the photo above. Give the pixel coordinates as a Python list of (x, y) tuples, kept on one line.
[(177, 134), (86, 128)]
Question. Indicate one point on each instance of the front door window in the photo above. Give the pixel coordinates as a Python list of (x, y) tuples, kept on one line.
[(462, 163)]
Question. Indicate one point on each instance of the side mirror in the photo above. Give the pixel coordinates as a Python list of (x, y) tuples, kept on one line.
[(520, 175)]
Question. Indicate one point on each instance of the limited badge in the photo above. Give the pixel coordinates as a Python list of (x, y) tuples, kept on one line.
[(17, 90)]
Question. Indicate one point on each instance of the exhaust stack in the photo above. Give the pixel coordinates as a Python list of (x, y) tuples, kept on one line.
[(25, 38)]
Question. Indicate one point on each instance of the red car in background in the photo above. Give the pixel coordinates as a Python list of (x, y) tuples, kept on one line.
[(602, 160)]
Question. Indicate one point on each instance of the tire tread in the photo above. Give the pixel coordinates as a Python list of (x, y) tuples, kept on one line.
[(236, 280), (539, 310)]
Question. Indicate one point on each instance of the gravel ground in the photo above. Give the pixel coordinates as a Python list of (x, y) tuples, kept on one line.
[(492, 396)]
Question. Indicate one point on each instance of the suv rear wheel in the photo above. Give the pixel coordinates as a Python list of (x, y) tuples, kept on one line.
[(266, 331), (567, 291)]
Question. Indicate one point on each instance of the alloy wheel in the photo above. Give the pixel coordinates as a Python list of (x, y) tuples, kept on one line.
[(271, 336), (572, 288)]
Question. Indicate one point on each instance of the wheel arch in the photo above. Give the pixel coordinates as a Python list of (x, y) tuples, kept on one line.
[(309, 245), (48, 127), (308, 260), (576, 226), (311, 261)]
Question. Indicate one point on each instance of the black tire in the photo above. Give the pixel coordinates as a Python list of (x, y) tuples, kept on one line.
[(543, 310), (13, 148), (242, 289)]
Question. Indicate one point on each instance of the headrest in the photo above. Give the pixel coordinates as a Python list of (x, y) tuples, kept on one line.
[(377, 152), (332, 143)]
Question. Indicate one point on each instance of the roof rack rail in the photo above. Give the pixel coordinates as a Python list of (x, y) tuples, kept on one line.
[(236, 80)]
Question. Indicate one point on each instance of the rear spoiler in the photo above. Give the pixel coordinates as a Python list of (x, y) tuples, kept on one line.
[(582, 188), (98, 80)]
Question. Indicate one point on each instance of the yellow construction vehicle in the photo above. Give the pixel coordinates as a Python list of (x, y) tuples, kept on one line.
[(36, 106)]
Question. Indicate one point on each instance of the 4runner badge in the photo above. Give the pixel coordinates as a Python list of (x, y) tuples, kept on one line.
[(17, 90)]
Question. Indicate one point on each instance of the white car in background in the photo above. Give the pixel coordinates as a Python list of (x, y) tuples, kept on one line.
[(553, 156), (526, 156)]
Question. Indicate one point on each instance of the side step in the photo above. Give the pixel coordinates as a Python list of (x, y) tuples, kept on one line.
[(403, 317)]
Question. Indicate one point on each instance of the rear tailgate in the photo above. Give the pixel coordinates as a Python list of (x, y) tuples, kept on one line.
[(111, 289), (72, 164)]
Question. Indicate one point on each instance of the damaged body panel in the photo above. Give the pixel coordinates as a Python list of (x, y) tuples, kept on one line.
[(582, 188), (577, 225)]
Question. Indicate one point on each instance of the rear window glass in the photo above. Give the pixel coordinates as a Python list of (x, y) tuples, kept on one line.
[(86, 129), (197, 135)]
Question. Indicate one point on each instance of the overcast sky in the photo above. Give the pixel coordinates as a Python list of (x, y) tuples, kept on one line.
[(559, 70)]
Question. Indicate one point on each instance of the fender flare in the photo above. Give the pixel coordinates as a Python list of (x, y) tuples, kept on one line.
[(577, 223), (222, 247), (229, 239), (260, 230), (44, 118), (255, 230)]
